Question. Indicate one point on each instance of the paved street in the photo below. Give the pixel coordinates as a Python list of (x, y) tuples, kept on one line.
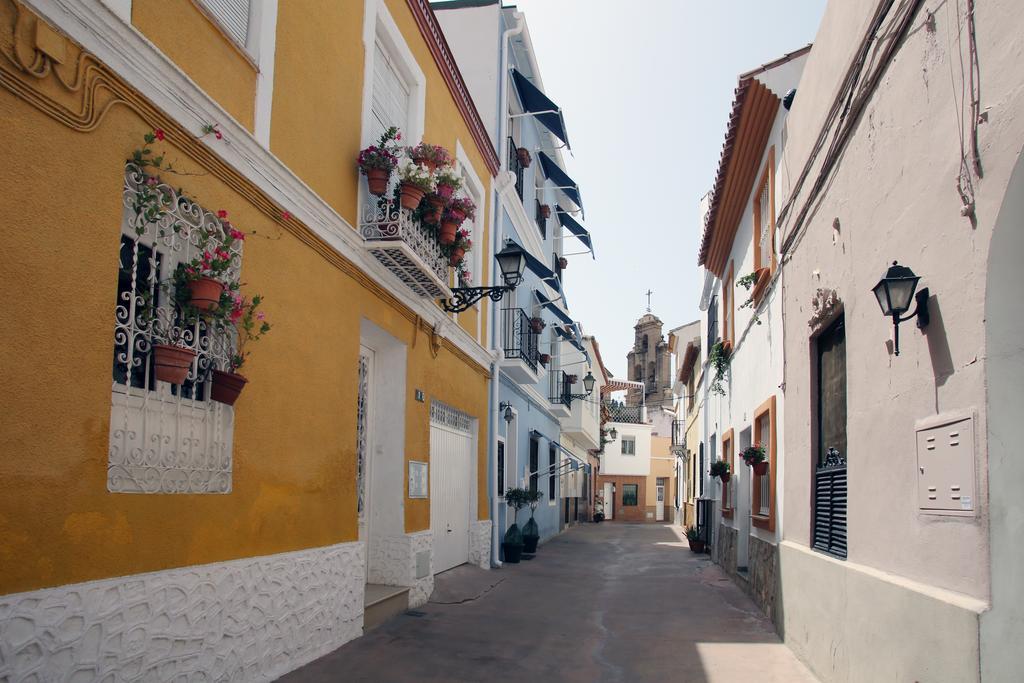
[(602, 602)]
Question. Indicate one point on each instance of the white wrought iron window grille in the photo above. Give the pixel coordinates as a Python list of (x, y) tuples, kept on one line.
[(165, 438)]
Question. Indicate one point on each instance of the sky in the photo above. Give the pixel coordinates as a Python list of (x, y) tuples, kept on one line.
[(646, 87)]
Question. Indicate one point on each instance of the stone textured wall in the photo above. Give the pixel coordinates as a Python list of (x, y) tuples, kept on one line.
[(253, 620), (480, 543), (762, 577)]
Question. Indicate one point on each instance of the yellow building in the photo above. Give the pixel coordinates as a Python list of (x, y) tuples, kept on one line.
[(186, 534)]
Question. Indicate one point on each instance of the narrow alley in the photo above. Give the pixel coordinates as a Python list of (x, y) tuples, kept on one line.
[(592, 606)]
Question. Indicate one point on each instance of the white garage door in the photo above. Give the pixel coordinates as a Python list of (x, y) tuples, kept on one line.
[(451, 459)]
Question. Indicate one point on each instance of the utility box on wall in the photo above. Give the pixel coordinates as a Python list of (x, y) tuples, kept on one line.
[(945, 465)]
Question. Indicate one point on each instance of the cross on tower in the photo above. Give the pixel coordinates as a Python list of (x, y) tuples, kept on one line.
[(649, 292)]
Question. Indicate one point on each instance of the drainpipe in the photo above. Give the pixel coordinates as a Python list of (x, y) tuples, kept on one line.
[(496, 210)]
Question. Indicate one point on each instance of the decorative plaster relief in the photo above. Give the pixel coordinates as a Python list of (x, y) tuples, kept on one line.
[(480, 543), (825, 304), (393, 563), (246, 620)]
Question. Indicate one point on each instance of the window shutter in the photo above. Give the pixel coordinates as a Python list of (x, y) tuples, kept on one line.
[(830, 506), (712, 322), (830, 477), (233, 16), (390, 103)]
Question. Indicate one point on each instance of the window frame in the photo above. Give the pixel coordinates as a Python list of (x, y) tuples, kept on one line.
[(757, 519), (729, 307), (533, 475), (767, 177), (622, 446), (475, 189), (636, 495), (727, 454), (500, 469), (552, 472)]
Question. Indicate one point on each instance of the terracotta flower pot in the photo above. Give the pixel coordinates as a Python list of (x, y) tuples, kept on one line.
[(456, 257), (447, 233), (412, 196), (563, 263), (205, 293), (725, 477), (172, 363), (227, 386), (545, 358), (377, 180), (761, 469), (545, 211), (430, 164), (524, 157), (537, 325), (457, 215), (435, 206), (445, 191)]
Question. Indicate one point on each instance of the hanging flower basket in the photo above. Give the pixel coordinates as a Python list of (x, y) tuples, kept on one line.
[(456, 257), (761, 469), (524, 157), (412, 195), (172, 363), (563, 263), (377, 180), (725, 477), (545, 211), (205, 293), (545, 358), (227, 386), (537, 325)]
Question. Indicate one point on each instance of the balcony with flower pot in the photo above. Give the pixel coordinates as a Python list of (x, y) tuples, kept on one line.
[(520, 346), (406, 247)]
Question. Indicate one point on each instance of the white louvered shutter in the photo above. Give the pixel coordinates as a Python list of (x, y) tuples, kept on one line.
[(390, 105), (233, 16), (765, 219)]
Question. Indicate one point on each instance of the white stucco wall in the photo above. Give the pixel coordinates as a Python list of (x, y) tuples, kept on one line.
[(893, 197), (613, 462)]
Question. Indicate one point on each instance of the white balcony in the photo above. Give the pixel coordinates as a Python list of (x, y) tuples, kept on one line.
[(405, 247)]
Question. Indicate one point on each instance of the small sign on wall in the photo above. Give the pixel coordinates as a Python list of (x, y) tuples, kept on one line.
[(417, 479)]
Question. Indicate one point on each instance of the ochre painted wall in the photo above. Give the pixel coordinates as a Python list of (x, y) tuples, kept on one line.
[(294, 445), (316, 122), (202, 50)]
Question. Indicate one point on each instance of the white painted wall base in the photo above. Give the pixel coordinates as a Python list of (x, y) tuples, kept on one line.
[(849, 622), (394, 563), (480, 543), (252, 619)]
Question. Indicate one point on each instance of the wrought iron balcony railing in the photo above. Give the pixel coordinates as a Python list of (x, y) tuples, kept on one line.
[(678, 433), (563, 390), (405, 246), (518, 338), (515, 166), (620, 412)]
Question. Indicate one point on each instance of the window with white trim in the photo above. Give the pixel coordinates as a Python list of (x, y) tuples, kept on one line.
[(164, 437), (232, 16), (629, 445)]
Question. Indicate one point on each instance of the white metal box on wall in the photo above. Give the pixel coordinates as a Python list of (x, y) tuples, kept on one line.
[(946, 464)]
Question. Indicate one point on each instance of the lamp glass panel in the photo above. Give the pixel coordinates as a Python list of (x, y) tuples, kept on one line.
[(588, 382), (511, 263), (881, 291), (901, 292)]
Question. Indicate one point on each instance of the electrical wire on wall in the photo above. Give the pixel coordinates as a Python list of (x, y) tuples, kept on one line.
[(970, 83)]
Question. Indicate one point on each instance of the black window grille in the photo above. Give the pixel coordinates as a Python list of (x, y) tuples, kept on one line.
[(515, 167), (501, 468), (534, 464), (830, 476), (518, 338), (629, 494), (713, 321), (542, 223), (552, 471)]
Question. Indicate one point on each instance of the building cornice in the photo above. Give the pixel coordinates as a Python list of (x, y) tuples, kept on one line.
[(125, 68), (442, 53)]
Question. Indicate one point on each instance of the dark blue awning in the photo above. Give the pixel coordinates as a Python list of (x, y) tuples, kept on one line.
[(536, 102), (553, 307), (575, 228), (535, 266), (554, 173)]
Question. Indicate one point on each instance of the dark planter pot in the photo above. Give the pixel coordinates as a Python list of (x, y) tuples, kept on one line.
[(537, 325), (513, 552), (545, 358), (524, 157), (761, 469), (725, 477), (530, 544), (204, 293), (172, 363), (598, 516), (696, 546), (377, 180), (563, 263), (545, 211), (227, 386)]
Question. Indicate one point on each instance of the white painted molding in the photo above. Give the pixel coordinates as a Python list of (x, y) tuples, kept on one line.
[(126, 51), (263, 25), (526, 228)]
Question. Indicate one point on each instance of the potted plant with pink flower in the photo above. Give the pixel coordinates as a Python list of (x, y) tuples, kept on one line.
[(431, 156), (200, 282), (446, 183), (250, 325), (377, 162), (460, 246), (460, 209)]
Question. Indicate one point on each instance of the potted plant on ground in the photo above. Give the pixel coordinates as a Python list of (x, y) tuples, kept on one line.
[(694, 539), (415, 181), (250, 324), (377, 162), (720, 469), (524, 157), (512, 543), (756, 458), (531, 532), (460, 246), (430, 156)]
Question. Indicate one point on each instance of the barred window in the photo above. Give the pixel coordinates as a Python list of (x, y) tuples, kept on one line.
[(165, 437)]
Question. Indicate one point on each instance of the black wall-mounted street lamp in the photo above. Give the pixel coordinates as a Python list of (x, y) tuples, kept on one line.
[(613, 434), (511, 261), (588, 385), (894, 292), (507, 407)]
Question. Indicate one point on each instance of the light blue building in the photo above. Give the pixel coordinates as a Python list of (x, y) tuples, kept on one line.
[(540, 357)]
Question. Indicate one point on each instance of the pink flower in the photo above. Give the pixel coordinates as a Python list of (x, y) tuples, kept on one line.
[(261, 315), (398, 136), (151, 181), (285, 215), (237, 234), (236, 315), (158, 134), (222, 214), (217, 134)]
